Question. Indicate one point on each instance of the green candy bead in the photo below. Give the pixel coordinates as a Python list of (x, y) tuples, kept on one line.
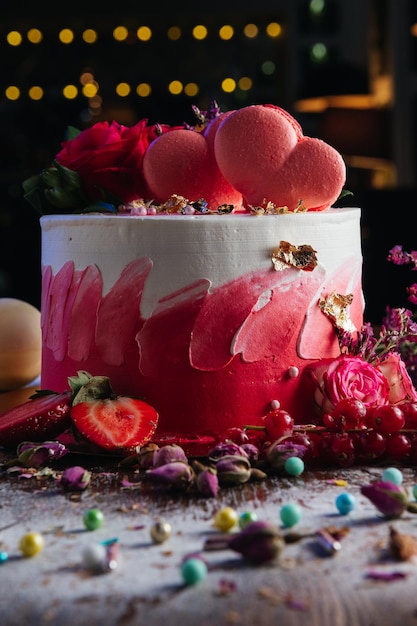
[(93, 519), (193, 571), (290, 514), (392, 475), (247, 518), (294, 466)]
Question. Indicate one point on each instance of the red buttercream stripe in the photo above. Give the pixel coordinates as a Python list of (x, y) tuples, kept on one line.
[(118, 318), (82, 324), (56, 340)]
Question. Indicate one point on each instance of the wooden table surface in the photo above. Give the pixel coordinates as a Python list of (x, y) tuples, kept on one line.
[(304, 586), (361, 585)]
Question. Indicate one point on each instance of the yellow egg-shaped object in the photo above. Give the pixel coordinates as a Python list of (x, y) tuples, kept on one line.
[(20, 343)]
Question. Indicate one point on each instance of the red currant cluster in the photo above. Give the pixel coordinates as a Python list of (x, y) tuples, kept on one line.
[(349, 434)]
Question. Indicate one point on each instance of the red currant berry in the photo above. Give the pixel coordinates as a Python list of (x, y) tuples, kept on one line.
[(386, 419), (236, 435), (343, 450), (398, 447), (336, 448), (330, 422), (349, 413), (410, 413), (278, 424), (369, 445)]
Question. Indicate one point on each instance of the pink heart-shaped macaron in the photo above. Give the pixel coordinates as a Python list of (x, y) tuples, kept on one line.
[(262, 152), (182, 162)]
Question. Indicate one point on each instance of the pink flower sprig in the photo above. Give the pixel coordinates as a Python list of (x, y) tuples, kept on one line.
[(398, 327), (398, 256)]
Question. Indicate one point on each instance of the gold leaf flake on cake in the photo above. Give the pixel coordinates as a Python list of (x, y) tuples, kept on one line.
[(175, 204), (269, 208), (287, 255), (336, 307)]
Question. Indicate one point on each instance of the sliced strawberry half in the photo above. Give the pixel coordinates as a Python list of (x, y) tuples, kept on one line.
[(117, 424), (45, 416)]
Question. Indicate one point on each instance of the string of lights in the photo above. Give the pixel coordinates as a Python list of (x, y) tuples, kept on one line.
[(140, 44)]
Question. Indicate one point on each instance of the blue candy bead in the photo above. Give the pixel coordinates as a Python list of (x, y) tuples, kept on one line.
[(345, 503), (3, 557)]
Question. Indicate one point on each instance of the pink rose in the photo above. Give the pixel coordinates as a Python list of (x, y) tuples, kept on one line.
[(348, 377), (401, 388), (108, 157)]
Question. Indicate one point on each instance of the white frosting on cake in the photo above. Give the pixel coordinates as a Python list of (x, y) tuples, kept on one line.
[(184, 249), (207, 284)]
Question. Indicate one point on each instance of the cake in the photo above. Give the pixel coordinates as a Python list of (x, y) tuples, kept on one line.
[(189, 312), (194, 266)]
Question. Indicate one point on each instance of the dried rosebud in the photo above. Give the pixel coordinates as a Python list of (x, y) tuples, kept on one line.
[(252, 451), (177, 474), (227, 448), (390, 499), (280, 451), (75, 478), (145, 456), (168, 454), (35, 454), (207, 482), (258, 542), (233, 469)]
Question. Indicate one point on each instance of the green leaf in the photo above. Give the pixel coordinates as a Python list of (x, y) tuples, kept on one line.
[(71, 133), (345, 192)]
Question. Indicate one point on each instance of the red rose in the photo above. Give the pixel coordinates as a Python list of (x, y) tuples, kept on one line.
[(348, 377), (108, 158)]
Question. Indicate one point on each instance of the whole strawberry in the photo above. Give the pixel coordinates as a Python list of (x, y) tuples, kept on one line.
[(44, 416), (114, 423)]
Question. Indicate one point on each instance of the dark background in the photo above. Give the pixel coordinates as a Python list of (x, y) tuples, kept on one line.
[(371, 54)]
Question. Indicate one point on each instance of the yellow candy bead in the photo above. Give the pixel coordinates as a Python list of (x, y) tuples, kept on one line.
[(225, 519), (31, 544)]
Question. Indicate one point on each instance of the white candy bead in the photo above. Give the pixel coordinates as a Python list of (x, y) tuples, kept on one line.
[(293, 372)]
